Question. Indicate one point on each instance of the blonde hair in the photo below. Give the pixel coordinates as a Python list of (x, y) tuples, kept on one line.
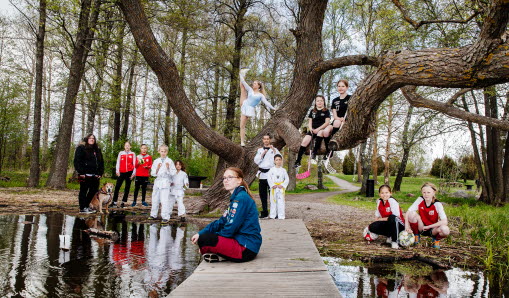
[(163, 146), (240, 175), (432, 186)]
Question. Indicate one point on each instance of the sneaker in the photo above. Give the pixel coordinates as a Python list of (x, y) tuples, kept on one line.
[(417, 238), (91, 210), (313, 156), (144, 204), (296, 165), (133, 204), (113, 205), (151, 218), (326, 156), (213, 258), (122, 205), (394, 245), (85, 211), (242, 144), (389, 240), (436, 243), (183, 219), (165, 221)]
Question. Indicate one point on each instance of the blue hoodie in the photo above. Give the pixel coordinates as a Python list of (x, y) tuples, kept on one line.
[(239, 222)]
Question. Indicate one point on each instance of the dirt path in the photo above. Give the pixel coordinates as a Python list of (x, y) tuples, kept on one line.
[(336, 229)]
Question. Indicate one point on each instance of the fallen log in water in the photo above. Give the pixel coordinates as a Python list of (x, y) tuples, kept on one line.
[(105, 234), (415, 257)]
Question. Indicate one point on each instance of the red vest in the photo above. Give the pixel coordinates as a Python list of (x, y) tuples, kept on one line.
[(429, 215), (127, 162), (143, 170), (385, 209)]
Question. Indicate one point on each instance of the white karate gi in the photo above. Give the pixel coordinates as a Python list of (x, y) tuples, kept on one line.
[(180, 183), (277, 176), (161, 191)]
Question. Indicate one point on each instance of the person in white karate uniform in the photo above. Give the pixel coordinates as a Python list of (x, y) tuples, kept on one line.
[(164, 169), (278, 180), (178, 186)]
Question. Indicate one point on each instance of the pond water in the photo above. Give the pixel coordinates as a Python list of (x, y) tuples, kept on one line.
[(146, 260), (418, 280)]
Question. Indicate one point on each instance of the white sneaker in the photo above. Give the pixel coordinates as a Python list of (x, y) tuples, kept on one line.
[(389, 240), (394, 245), (213, 258), (243, 72)]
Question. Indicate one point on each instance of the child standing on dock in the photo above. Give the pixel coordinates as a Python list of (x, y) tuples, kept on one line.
[(427, 217), (278, 180), (178, 186), (125, 169), (164, 169), (389, 217), (143, 165)]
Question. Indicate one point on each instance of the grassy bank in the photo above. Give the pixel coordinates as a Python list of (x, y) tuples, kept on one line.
[(479, 223)]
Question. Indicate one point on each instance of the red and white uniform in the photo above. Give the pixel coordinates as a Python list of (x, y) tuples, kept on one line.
[(429, 214), (126, 162), (143, 170), (385, 209)]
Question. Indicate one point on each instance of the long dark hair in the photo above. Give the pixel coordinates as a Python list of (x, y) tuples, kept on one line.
[(240, 174), (93, 147)]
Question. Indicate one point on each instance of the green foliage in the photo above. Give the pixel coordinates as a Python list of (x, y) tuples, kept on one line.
[(348, 163), (444, 168), (468, 169)]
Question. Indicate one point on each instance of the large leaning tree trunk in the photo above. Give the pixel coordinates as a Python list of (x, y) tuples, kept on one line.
[(440, 67), (35, 169), (88, 19)]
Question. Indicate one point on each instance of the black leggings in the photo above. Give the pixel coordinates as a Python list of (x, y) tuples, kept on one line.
[(389, 228), (123, 176), (88, 189), (140, 182)]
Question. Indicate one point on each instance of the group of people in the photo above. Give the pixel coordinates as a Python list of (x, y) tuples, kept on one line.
[(169, 185), (320, 127), (425, 217)]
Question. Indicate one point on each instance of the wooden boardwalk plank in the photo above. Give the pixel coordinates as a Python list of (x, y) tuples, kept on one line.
[(288, 265)]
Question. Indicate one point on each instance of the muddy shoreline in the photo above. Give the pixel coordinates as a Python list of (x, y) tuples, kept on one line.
[(335, 229)]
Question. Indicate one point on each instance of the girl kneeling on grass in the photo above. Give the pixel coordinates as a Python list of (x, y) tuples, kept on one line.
[(427, 217), (236, 236), (389, 217)]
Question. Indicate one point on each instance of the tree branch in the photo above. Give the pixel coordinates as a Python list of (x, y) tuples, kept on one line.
[(171, 83), (417, 25), (417, 100), (453, 99), (335, 63)]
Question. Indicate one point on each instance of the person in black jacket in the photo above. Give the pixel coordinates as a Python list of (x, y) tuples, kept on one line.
[(89, 163)]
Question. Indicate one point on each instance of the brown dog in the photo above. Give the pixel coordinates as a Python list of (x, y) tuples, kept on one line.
[(102, 198)]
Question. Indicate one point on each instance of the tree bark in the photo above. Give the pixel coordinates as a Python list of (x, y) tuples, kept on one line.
[(116, 92), (387, 168), (374, 156), (129, 96), (84, 38), (33, 180), (406, 150)]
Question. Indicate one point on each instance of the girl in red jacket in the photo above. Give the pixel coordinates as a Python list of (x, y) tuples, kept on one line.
[(126, 163), (143, 165)]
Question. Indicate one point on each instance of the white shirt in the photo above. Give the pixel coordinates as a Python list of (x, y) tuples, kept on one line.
[(278, 175), (265, 162), (164, 175), (180, 183)]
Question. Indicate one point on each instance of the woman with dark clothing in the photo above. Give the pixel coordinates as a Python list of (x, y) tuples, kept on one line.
[(236, 236), (89, 163)]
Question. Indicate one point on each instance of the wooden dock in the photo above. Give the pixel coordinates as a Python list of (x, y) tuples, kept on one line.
[(288, 265)]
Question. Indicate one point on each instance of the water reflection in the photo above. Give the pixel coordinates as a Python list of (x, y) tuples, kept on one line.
[(385, 281), (144, 260)]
